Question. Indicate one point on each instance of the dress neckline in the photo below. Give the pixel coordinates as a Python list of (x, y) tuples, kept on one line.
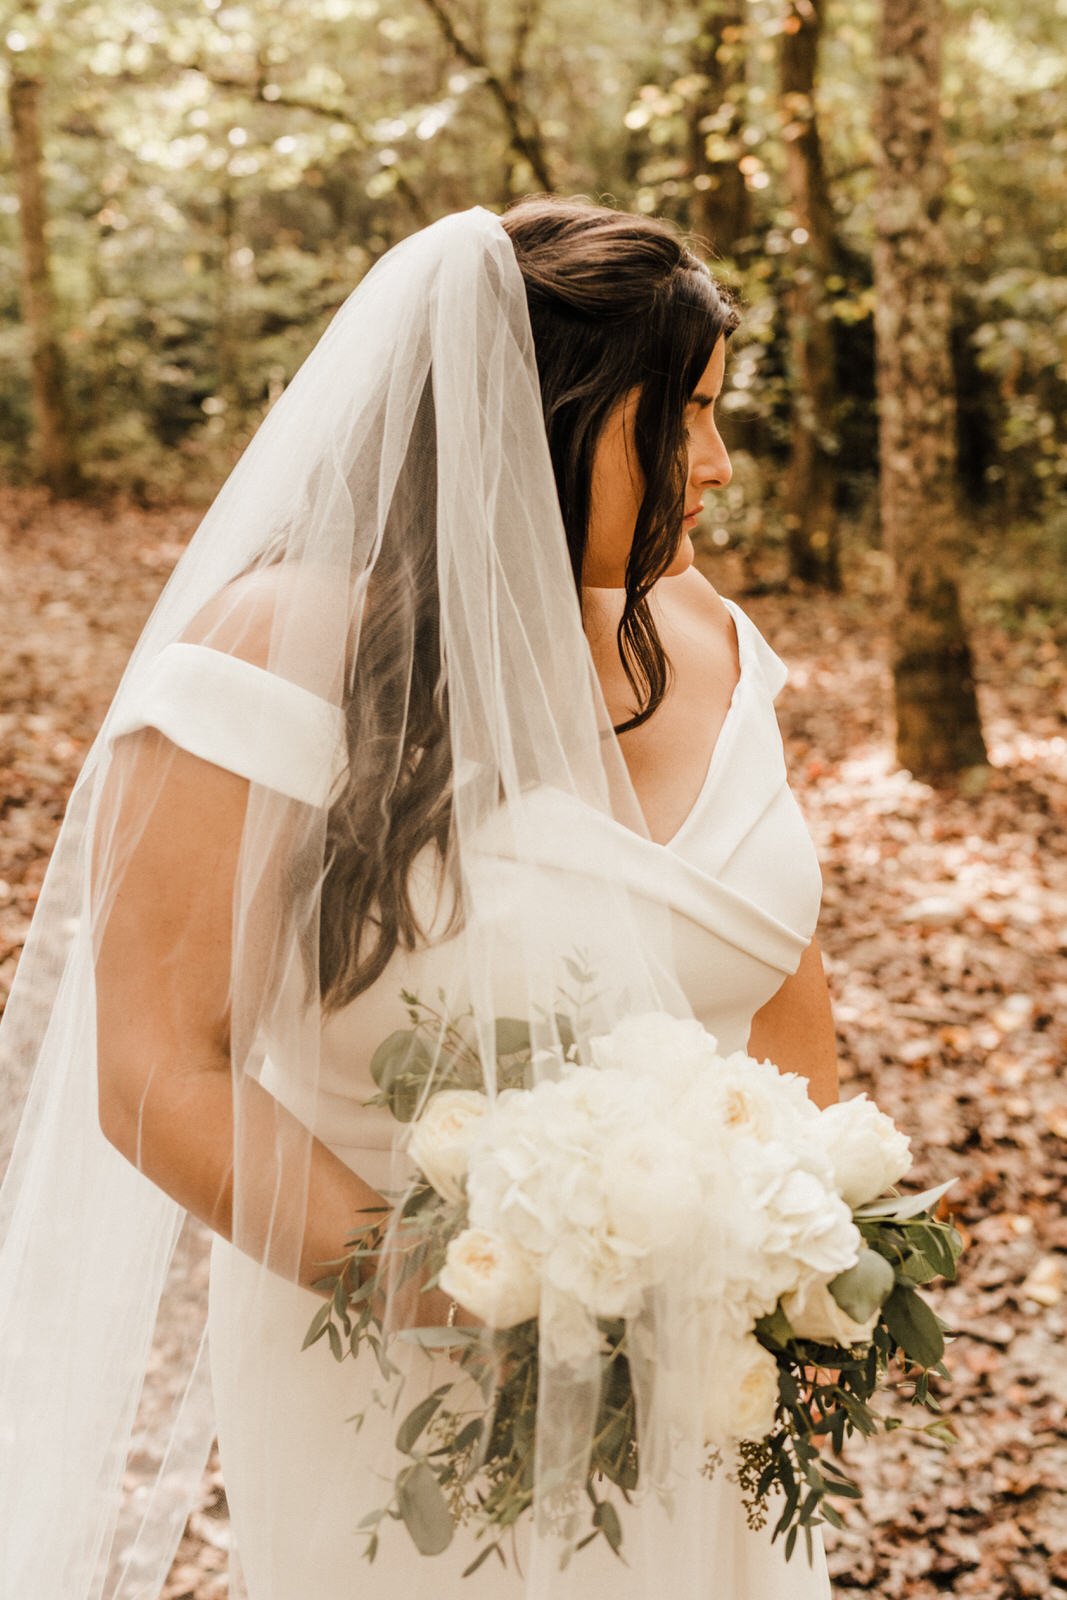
[(731, 711)]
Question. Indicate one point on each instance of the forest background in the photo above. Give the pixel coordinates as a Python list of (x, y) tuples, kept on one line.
[(189, 191)]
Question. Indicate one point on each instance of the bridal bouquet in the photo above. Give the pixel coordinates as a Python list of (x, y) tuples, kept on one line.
[(574, 1186)]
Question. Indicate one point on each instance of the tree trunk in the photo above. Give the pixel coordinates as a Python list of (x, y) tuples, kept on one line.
[(938, 727), (55, 431), (227, 383), (721, 208), (811, 478)]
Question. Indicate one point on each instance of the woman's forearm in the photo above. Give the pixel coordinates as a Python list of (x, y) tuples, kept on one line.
[(182, 1137)]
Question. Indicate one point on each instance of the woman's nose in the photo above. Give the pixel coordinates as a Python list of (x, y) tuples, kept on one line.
[(710, 467)]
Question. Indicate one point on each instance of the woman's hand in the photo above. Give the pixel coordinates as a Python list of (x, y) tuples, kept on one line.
[(415, 1306), (813, 1376)]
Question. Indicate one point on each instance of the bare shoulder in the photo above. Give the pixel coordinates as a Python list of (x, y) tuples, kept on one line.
[(694, 601), (249, 614)]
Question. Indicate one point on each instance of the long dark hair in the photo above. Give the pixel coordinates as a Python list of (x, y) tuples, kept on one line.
[(616, 302)]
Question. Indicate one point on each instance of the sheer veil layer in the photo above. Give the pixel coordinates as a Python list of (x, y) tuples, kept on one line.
[(385, 568)]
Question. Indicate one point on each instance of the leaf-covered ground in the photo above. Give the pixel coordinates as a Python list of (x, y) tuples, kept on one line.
[(944, 932)]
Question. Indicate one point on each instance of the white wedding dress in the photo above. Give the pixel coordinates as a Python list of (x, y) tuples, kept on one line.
[(743, 885)]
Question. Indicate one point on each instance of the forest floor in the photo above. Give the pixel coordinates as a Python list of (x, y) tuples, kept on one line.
[(944, 936)]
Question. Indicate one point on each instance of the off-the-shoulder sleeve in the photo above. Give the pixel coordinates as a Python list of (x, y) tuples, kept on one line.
[(775, 672), (239, 716), (772, 669)]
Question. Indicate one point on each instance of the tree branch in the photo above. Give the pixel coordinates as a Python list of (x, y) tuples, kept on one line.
[(528, 144), (335, 113)]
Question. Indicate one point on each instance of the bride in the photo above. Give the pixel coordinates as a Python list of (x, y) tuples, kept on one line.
[(434, 701)]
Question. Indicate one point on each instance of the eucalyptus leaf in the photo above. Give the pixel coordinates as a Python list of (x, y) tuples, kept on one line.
[(318, 1325), (424, 1509), (416, 1420), (391, 1055), (914, 1326), (775, 1326), (862, 1288), (437, 1338), (900, 1207), (400, 1066), (606, 1518), (476, 1563), (916, 1268), (512, 1035)]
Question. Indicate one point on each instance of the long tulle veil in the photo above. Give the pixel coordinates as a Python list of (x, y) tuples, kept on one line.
[(403, 474)]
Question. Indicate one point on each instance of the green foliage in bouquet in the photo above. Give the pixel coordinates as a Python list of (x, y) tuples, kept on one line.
[(905, 1245), (480, 1468)]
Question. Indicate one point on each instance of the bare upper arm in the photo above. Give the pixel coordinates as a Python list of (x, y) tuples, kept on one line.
[(165, 860), (795, 1028)]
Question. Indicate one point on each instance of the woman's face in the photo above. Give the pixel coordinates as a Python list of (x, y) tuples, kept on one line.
[(618, 484)]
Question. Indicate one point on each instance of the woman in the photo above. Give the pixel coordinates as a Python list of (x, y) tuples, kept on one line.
[(434, 700)]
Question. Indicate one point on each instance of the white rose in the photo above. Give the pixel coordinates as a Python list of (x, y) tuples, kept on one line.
[(813, 1313), (490, 1278), (868, 1151), (757, 1098), (441, 1138), (742, 1392), (810, 1224)]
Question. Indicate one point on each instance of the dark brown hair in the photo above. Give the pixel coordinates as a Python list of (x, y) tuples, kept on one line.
[(616, 302)]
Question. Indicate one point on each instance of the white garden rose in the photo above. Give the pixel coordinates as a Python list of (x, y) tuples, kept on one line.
[(867, 1150), (490, 1278), (813, 1313), (759, 1099), (810, 1224), (441, 1138), (742, 1392), (790, 1088)]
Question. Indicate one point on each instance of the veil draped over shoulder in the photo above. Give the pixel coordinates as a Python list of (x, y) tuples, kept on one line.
[(385, 571)]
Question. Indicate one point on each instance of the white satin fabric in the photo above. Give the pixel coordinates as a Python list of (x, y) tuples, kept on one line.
[(742, 880)]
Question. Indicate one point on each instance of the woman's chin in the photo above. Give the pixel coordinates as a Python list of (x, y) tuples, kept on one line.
[(683, 558)]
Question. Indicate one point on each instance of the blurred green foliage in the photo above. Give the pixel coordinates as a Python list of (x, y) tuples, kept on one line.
[(220, 175)]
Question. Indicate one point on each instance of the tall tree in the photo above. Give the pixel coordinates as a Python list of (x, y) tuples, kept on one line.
[(938, 727), (52, 417), (721, 205), (811, 481)]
